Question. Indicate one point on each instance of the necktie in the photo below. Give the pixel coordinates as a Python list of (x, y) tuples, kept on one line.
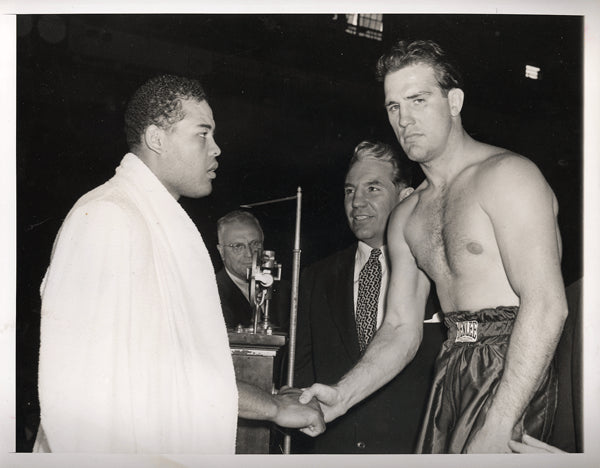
[(369, 284)]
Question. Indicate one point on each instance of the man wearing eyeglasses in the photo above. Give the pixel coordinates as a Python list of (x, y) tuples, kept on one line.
[(240, 235)]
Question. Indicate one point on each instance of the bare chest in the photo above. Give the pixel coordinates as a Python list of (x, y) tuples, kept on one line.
[(449, 234)]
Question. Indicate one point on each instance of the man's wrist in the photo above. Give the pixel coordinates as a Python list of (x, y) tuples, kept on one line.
[(343, 402), (272, 408)]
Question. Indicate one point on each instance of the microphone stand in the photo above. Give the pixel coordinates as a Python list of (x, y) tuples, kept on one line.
[(294, 299)]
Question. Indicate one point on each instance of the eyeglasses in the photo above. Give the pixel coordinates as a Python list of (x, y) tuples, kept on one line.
[(239, 247)]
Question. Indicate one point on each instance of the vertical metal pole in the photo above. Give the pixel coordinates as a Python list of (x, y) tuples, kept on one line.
[(294, 308)]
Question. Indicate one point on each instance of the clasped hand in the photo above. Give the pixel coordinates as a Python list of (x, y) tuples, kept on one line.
[(306, 416), (329, 398)]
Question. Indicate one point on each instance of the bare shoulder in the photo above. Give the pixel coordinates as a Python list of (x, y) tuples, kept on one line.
[(504, 166), (400, 220), (505, 175), (405, 208)]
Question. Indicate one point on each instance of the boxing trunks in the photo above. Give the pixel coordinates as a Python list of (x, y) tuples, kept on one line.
[(468, 370)]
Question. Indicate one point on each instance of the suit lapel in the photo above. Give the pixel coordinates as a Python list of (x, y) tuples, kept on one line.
[(239, 306), (341, 302)]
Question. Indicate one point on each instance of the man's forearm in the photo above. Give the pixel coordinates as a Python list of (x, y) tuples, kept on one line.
[(255, 403), (533, 341), (390, 351), (283, 409)]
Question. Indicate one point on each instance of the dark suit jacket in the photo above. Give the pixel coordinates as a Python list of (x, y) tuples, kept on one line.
[(236, 309), (327, 347)]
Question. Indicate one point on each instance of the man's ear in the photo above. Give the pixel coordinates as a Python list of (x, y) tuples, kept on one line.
[(405, 192), (220, 249), (456, 97), (153, 138)]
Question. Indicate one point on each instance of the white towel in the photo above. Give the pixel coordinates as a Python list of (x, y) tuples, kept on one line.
[(134, 355)]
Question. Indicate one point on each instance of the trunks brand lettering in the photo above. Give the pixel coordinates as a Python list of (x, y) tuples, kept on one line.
[(466, 332)]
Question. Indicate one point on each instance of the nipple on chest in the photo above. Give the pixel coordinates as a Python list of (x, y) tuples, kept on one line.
[(475, 248)]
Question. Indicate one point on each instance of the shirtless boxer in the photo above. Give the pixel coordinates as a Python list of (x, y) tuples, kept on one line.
[(482, 227)]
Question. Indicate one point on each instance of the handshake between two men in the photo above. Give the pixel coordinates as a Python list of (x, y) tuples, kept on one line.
[(307, 409)]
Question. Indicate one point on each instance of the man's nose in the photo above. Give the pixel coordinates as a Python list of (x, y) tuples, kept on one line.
[(358, 199), (250, 249), (215, 150), (405, 118)]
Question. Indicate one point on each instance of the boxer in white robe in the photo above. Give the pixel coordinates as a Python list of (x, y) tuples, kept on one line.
[(134, 355), (134, 351)]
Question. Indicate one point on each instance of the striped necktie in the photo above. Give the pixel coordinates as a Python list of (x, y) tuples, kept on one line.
[(369, 285)]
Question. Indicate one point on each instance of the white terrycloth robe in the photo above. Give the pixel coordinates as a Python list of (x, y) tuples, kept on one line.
[(134, 355)]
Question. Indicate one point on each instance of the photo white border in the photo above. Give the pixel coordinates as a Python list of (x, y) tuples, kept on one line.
[(590, 9)]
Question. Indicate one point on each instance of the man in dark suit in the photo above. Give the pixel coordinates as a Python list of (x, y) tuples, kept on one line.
[(330, 333), (240, 235)]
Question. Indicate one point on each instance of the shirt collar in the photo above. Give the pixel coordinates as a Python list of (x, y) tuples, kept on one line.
[(362, 255)]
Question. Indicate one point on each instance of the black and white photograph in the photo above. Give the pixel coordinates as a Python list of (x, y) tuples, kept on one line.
[(304, 233)]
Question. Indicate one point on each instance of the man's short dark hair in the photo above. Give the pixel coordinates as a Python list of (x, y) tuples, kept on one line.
[(404, 53), (401, 172), (237, 216), (158, 102)]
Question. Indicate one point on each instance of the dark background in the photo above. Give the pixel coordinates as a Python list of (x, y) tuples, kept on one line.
[(292, 95)]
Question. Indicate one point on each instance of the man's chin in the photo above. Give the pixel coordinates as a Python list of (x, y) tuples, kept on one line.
[(242, 278), (242, 274), (201, 193), (418, 155), (362, 233)]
